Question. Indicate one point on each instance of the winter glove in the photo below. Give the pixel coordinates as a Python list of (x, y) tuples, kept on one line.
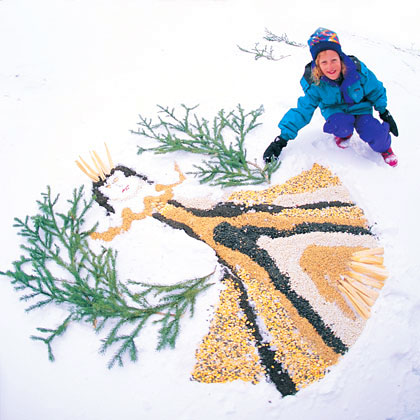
[(274, 149), (387, 117)]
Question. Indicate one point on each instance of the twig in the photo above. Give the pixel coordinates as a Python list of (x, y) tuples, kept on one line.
[(270, 36), (264, 52)]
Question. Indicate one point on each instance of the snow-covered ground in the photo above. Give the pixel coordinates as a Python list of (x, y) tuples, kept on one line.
[(77, 73)]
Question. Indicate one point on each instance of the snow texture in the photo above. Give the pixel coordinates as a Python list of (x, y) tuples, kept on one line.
[(77, 73)]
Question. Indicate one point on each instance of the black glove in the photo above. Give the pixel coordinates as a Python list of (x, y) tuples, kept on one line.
[(274, 149), (387, 117)]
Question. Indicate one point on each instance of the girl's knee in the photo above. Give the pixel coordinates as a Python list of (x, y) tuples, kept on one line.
[(373, 132), (340, 124)]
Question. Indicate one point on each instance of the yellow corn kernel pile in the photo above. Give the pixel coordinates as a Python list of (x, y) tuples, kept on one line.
[(307, 181), (227, 352), (352, 216), (303, 364)]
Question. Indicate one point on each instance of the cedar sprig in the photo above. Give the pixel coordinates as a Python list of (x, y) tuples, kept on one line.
[(175, 300), (228, 164), (60, 268)]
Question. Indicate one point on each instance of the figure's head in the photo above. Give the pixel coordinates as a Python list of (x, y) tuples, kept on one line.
[(323, 39), (113, 185), (120, 185)]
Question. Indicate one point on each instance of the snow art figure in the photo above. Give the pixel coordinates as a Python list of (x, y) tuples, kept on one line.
[(303, 270)]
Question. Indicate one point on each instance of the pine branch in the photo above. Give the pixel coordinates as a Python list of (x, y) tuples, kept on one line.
[(53, 334), (59, 268), (228, 165), (175, 300)]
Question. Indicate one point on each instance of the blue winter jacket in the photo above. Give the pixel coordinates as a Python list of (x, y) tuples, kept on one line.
[(359, 91)]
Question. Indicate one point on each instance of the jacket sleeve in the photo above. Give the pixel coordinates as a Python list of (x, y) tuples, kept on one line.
[(297, 118), (375, 91)]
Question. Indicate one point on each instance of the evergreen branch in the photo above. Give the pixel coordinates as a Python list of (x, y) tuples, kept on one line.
[(53, 334), (59, 267), (228, 164), (175, 300), (128, 346)]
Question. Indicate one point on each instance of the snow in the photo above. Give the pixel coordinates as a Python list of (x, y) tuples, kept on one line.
[(76, 74)]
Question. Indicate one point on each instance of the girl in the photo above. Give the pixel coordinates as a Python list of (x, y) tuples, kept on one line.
[(346, 92)]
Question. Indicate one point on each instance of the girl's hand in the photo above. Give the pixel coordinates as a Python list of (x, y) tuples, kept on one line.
[(274, 149), (387, 117)]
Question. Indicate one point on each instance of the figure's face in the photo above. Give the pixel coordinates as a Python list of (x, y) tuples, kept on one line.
[(119, 187), (330, 64)]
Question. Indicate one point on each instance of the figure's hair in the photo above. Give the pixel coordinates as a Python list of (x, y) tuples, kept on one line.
[(101, 198), (317, 72)]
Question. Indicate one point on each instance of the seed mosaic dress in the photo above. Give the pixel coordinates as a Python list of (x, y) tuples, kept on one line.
[(283, 313)]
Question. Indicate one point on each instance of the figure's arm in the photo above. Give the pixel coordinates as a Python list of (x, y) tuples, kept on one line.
[(162, 187)]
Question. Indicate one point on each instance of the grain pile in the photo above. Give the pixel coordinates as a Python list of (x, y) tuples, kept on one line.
[(307, 182), (228, 351)]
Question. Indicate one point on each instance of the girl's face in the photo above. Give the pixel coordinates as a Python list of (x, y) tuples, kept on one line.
[(330, 64)]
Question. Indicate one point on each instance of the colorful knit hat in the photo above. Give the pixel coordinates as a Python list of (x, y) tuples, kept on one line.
[(324, 39)]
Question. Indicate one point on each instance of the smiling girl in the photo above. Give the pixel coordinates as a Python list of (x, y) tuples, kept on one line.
[(346, 92)]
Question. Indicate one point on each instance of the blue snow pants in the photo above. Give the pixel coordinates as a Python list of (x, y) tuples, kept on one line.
[(370, 130)]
